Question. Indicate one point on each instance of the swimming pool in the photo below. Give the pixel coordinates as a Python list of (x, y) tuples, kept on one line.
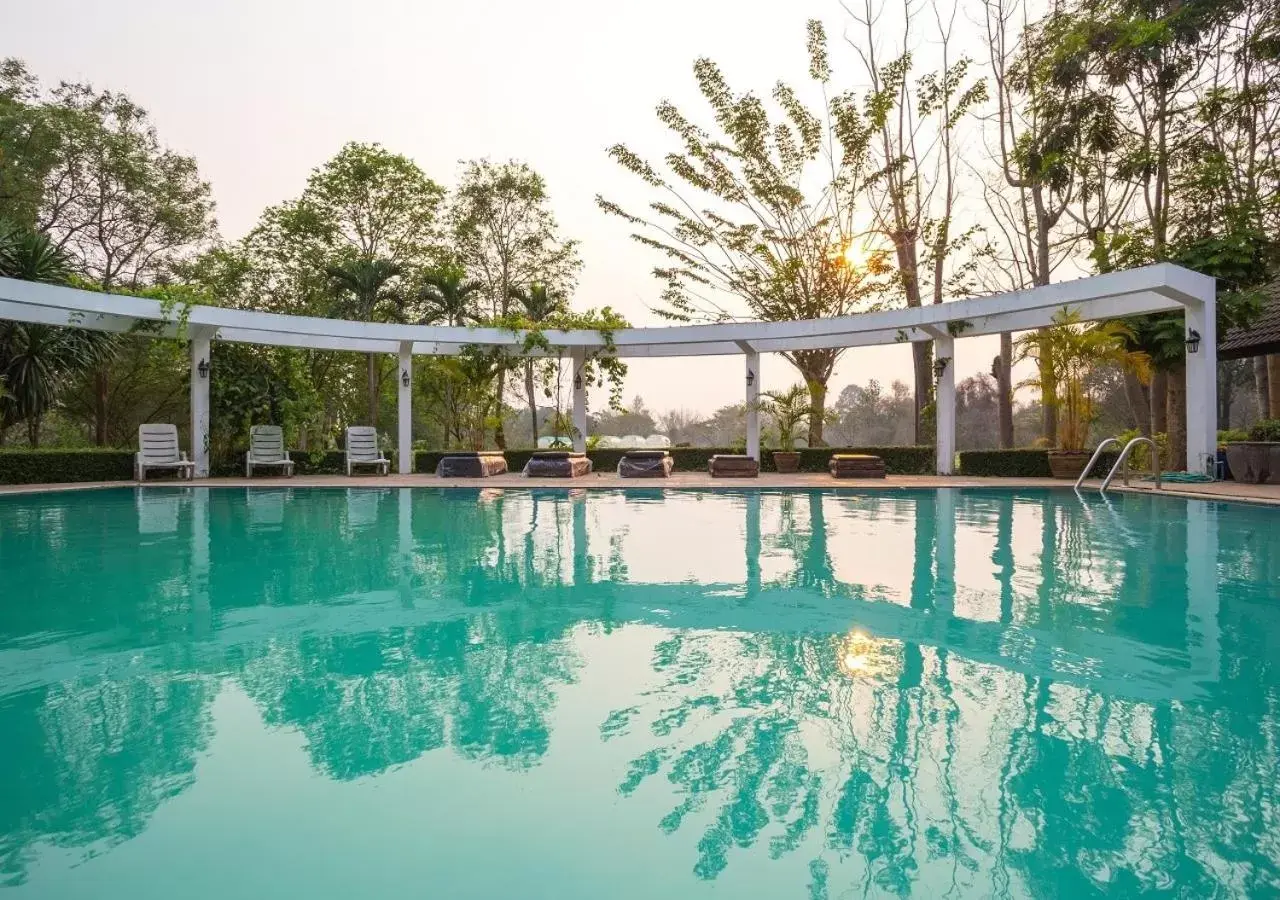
[(217, 693)]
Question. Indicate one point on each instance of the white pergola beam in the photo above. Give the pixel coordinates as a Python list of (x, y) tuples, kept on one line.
[(1148, 289)]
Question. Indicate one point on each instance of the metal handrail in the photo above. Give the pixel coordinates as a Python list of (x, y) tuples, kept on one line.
[(1124, 461), (1093, 459)]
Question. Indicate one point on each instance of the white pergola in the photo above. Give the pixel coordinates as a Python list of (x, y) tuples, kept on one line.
[(1159, 288)]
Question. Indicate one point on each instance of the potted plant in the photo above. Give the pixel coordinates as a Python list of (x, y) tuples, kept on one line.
[(1257, 460), (1075, 350), (788, 410)]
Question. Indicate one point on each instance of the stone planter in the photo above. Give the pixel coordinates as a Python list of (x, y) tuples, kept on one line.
[(786, 461), (1255, 462), (1068, 463)]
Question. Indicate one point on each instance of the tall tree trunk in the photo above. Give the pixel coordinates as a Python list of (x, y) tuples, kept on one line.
[(922, 358), (818, 405), (1159, 403), (1139, 403), (100, 397), (533, 399), (1226, 393), (1049, 399), (33, 431), (499, 432), (1261, 384), (372, 372), (1176, 402), (1004, 387), (1273, 383)]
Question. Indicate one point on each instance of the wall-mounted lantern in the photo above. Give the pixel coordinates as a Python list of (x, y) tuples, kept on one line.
[(404, 377), (1193, 341), (751, 378), (203, 368)]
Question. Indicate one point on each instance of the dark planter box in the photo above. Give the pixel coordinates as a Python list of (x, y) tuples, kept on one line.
[(786, 461), (1254, 462), (1068, 463)]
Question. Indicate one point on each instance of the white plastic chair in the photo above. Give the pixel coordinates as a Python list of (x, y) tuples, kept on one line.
[(362, 449), (266, 448), (158, 449)]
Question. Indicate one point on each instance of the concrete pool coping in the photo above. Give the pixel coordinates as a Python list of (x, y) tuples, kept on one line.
[(1265, 494)]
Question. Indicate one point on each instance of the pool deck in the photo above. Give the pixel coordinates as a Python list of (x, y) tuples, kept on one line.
[(1268, 494)]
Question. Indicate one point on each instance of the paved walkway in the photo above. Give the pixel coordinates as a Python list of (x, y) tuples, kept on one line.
[(1224, 490)]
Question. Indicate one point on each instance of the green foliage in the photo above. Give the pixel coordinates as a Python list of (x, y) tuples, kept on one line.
[(1265, 430), (64, 466), (505, 235), (1022, 463), (787, 411)]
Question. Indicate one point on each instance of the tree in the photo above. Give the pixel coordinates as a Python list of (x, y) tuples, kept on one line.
[(365, 292), (787, 410), (37, 361), (915, 186), (762, 212), (447, 297), (537, 304), (505, 234), (87, 168)]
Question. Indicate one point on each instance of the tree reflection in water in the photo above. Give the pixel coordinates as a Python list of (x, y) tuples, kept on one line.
[(1045, 698)]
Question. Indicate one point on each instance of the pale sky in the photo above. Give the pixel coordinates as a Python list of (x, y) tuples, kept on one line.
[(261, 92)]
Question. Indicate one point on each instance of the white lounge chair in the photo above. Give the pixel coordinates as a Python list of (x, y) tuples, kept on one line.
[(158, 449), (362, 449), (266, 448)]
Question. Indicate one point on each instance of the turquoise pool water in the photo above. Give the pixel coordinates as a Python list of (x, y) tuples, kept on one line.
[(562, 694)]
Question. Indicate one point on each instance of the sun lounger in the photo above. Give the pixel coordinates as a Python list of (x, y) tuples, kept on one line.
[(724, 465), (158, 449), (645, 464), (856, 465), (362, 449), (557, 464), (474, 464), (266, 449)]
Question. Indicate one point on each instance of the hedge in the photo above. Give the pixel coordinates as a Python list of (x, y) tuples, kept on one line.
[(1026, 463), (58, 466), (897, 460), (20, 466)]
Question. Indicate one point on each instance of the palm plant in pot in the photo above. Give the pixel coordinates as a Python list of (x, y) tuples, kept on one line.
[(1076, 350), (788, 410), (1257, 460)]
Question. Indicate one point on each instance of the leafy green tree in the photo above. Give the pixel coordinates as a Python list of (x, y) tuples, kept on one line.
[(537, 304), (762, 212), (366, 291), (37, 361), (505, 234), (447, 297)]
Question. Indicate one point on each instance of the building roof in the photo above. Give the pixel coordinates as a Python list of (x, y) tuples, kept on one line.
[(1260, 338)]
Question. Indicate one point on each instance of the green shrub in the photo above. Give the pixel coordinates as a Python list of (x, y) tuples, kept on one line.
[(1266, 430), (1027, 462), (63, 466), (897, 460), (1232, 435)]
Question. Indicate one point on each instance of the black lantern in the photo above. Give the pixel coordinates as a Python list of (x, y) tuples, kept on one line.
[(751, 378), (203, 368), (577, 382), (1193, 341), (404, 377)]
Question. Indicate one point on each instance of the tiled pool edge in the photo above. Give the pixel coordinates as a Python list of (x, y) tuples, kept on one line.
[(1266, 495)]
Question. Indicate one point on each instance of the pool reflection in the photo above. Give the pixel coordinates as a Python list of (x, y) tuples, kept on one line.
[(996, 694)]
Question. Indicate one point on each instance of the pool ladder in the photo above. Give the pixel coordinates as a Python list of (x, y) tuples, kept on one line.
[(1122, 463)]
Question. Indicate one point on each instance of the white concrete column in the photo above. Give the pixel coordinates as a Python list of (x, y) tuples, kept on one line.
[(1202, 382), (579, 401), (753, 403), (404, 382), (945, 401), (201, 373)]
